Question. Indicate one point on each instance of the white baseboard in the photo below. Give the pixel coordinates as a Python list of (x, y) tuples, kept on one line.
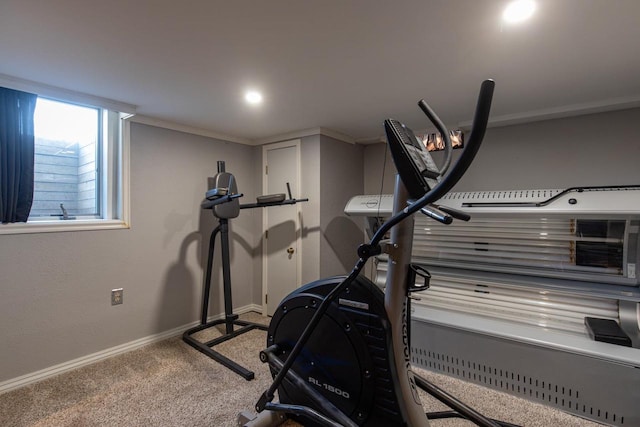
[(52, 371)]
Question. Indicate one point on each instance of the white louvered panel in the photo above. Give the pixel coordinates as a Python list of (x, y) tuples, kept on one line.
[(443, 250), (524, 305), (531, 243), (436, 246), (499, 230), (498, 299), (432, 243), (503, 225), (525, 266)]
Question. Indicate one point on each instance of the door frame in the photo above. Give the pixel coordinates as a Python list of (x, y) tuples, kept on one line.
[(296, 194)]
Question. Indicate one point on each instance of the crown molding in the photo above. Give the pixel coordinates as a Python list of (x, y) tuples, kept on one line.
[(165, 124), (62, 94), (373, 140), (572, 110), (306, 132)]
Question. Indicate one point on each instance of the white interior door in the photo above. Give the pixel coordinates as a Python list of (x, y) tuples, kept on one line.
[(281, 249)]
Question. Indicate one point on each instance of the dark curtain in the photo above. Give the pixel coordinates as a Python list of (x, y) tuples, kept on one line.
[(16, 154)]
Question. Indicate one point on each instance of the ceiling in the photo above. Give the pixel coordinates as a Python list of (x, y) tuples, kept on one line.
[(341, 65)]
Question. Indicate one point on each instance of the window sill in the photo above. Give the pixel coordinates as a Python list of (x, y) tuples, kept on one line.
[(63, 226)]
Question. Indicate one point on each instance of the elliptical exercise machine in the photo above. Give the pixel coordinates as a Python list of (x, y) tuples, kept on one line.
[(222, 199), (338, 348)]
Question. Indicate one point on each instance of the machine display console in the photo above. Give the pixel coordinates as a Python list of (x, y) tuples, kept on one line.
[(417, 169)]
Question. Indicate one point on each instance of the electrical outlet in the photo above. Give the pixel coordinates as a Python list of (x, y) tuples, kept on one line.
[(116, 296)]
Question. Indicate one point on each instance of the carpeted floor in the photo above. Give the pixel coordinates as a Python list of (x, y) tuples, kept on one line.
[(171, 384)]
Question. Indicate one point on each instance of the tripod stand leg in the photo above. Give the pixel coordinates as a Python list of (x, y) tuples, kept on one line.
[(230, 319)]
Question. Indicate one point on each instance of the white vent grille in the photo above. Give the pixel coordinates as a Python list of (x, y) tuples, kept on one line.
[(546, 391), (509, 196)]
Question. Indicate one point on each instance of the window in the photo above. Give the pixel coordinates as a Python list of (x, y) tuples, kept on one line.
[(80, 163), (67, 161)]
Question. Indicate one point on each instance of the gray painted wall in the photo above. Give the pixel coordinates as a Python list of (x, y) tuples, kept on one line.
[(55, 303), (596, 149), (332, 172), (310, 188), (342, 177)]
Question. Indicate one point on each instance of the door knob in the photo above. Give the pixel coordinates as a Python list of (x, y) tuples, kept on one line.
[(290, 251)]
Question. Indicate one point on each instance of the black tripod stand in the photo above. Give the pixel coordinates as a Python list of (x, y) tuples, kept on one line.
[(222, 199)]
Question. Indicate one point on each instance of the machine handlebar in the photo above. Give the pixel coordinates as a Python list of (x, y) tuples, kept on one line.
[(478, 129), (208, 204)]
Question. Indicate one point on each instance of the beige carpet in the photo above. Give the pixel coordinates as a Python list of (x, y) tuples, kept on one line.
[(171, 384)]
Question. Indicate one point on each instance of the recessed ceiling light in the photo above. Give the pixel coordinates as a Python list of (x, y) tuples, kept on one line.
[(518, 11), (253, 97)]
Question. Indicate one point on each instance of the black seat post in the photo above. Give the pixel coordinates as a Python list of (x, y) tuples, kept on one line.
[(207, 280), (226, 275)]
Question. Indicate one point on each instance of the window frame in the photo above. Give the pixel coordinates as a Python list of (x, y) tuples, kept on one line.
[(113, 192)]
